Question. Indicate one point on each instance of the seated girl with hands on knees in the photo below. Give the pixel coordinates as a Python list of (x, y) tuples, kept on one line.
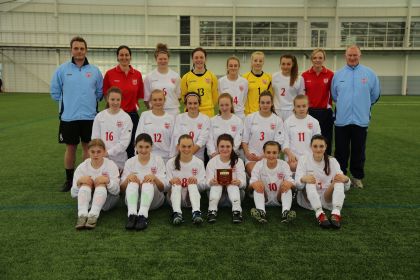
[(99, 176), (226, 179), (321, 183), (272, 184), (186, 175), (143, 180)]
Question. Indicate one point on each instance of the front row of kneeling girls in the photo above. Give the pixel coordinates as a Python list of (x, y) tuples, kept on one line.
[(319, 181)]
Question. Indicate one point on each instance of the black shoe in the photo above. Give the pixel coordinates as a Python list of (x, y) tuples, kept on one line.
[(259, 215), (323, 221), (66, 186), (237, 217), (335, 221), (141, 223), (131, 222), (196, 218), (288, 216), (211, 216), (177, 218)]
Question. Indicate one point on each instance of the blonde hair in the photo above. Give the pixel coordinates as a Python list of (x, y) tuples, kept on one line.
[(257, 53), (232, 58), (96, 142), (317, 50), (226, 95)]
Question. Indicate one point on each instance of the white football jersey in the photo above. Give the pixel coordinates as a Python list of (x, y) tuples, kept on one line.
[(218, 126), (169, 83), (238, 171), (155, 166), (160, 128), (258, 130), (238, 89), (284, 94), (308, 166), (194, 168), (197, 128), (271, 178), (108, 168), (115, 131), (298, 134)]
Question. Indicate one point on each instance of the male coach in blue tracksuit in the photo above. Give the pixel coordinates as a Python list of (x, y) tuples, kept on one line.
[(355, 88), (77, 86)]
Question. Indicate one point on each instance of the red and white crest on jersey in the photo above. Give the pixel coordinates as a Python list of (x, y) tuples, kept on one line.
[(326, 81), (119, 124), (310, 125), (264, 81), (241, 88), (153, 170), (88, 75), (233, 128), (173, 80), (208, 80), (199, 125), (280, 176), (167, 125), (364, 80), (194, 171), (104, 173), (273, 126), (134, 82)]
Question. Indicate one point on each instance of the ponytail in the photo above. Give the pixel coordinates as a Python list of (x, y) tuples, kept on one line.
[(294, 72), (177, 162), (327, 168)]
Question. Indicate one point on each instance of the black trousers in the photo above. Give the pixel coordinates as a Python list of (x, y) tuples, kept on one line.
[(350, 140), (326, 122), (135, 119)]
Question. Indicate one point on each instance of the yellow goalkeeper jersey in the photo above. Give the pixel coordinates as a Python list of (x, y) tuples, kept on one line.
[(256, 85)]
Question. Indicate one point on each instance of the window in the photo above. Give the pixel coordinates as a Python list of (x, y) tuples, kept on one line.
[(415, 34), (216, 33), (185, 31), (266, 34), (319, 34)]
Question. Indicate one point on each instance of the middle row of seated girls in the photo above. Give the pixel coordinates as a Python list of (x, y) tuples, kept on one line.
[(145, 179)]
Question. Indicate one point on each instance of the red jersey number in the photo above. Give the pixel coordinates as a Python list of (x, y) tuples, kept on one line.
[(109, 136), (262, 136), (301, 136), (282, 92), (157, 137), (235, 100), (184, 182), (191, 133), (272, 187)]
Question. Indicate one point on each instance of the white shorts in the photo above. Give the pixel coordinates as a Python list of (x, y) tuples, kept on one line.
[(158, 199), (110, 202), (304, 202)]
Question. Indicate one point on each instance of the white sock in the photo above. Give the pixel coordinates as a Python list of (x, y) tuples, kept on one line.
[(98, 200), (132, 198), (194, 197), (215, 195), (286, 200), (235, 198), (259, 200), (147, 194), (338, 198), (83, 199), (313, 198), (176, 198)]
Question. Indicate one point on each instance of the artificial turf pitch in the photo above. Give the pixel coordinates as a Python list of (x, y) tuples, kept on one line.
[(379, 239)]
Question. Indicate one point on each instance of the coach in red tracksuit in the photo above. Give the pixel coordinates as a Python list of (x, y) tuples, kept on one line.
[(317, 84), (130, 82)]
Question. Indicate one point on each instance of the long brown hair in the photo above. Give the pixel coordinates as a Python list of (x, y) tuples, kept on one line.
[(327, 169), (267, 93), (226, 95), (161, 48), (111, 90), (177, 162), (233, 156), (294, 72)]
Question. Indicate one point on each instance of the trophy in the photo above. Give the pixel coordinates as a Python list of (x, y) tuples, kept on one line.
[(224, 176)]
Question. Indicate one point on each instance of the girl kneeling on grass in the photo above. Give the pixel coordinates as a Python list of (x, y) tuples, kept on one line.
[(97, 175), (187, 175), (143, 181), (322, 183), (272, 184), (231, 194)]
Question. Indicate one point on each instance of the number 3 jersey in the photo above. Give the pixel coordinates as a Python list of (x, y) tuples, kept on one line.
[(194, 168), (271, 178), (115, 131), (259, 129), (160, 128)]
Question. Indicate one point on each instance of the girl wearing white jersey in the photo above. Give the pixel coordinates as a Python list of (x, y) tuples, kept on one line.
[(235, 85), (158, 124), (143, 180), (114, 127), (193, 123), (260, 127), (229, 194), (97, 175), (224, 122), (272, 184), (322, 183), (298, 131), (165, 79), (187, 175), (287, 84)]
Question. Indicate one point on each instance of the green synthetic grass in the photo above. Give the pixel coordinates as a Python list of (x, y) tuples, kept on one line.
[(380, 237)]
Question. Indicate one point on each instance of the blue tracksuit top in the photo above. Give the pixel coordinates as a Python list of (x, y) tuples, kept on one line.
[(78, 90), (354, 91)]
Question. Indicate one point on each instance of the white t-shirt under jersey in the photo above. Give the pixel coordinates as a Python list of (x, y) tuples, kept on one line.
[(219, 126), (271, 178), (169, 83), (298, 134), (160, 128), (238, 89), (284, 94), (238, 171), (115, 131), (194, 168), (108, 168)]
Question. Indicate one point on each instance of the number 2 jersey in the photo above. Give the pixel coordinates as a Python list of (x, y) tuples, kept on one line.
[(115, 131), (284, 94), (194, 168), (271, 178)]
